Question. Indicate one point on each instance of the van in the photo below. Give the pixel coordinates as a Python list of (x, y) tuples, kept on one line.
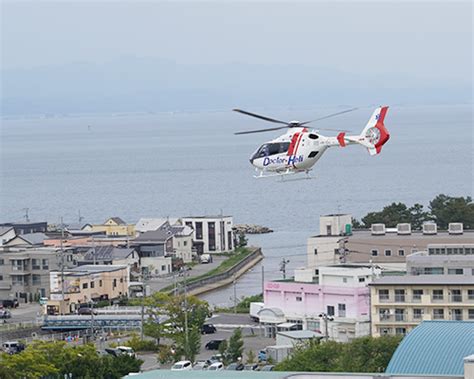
[(12, 347), (10, 303)]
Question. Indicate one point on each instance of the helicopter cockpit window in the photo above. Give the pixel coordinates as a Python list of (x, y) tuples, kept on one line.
[(272, 149)]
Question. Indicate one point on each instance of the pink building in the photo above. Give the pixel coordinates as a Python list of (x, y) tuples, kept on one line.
[(340, 292)]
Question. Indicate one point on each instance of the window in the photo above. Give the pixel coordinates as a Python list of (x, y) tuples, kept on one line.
[(399, 314), (401, 252), (1, 277), (344, 280), (383, 295), (315, 251), (341, 310), (455, 271), (437, 295), (470, 294), (438, 314), (114, 283), (417, 295), (299, 298), (384, 314), (400, 331), (2, 262), (400, 296), (271, 149), (100, 283), (417, 313), (36, 279), (92, 284), (375, 253), (163, 267), (470, 314), (84, 286), (361, 280), (313, 325), (185, 243), (35, 264), (388, 253), (229, 241), (45, 264), (199, 230), (434, 271), (330, 311), (456, 314), (121, 280), (456, 296), (385, 331), (211, 231)]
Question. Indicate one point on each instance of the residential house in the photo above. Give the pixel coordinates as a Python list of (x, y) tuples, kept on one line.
[(27, 240), (212, 234), (7, 233), (24, 272), (156, 250), (152, 224), (340, 292), (27, 227), (115, 227), (111, 255), (400, 303), (85, 284)]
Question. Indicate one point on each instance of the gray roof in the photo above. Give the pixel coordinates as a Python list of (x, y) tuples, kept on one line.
[(425, 279), (155, 236), (107, 253), (117, 220), (5, 229), (34, 238), (301, 334), (87, 269)]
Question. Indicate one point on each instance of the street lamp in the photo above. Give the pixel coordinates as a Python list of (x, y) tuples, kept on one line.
[(326, 318)]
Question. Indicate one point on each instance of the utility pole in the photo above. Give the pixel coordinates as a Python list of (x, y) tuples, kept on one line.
[(326, 319), (283, 264), (186, 332), (93, 250), (263, 279), (145, 276), (62, 268), (235, 295)]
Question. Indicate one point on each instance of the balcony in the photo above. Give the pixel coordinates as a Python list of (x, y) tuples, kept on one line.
[(393, 318)]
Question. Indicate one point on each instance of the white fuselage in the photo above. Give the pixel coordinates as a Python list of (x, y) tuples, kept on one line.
[(297, 150)]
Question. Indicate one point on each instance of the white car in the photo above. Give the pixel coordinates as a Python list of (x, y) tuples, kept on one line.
[(216, 366), (126, 350), (182, 366)]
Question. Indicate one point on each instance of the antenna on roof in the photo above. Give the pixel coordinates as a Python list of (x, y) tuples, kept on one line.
[(80, 217), (27, 218)]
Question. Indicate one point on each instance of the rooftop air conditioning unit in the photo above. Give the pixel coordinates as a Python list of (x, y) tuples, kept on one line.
[(404, 229), (455, 228), (378, 229), (430, 228)]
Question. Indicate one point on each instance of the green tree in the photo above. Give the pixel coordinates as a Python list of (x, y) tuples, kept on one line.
[(236, 345), (222, 351), (242, 241), (251, 356), (391, 215), (418, 216), (446, 209)]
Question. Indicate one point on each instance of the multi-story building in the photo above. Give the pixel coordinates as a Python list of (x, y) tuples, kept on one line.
[(7, 233), (339, 292), (85, 284), (115, 227), (24, 272), (442, 260), (389, 247), (27, 227), (399, 303), (212, 234)]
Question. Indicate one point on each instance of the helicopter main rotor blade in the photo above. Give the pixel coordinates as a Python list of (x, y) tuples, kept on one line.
[(336, 130), (261, 130), (328, 116), (260, 117)]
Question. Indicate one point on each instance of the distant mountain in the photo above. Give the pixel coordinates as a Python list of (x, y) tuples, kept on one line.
[(147, 84)]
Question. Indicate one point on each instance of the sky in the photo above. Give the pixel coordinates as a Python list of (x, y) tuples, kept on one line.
[(92, 56)]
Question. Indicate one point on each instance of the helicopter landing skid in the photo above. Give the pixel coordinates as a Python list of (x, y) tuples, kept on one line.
[(283, 174)]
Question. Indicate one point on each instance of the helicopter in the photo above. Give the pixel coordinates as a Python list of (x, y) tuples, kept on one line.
[(298, 150)]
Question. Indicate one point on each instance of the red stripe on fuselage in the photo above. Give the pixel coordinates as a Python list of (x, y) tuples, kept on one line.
[(294, 139)]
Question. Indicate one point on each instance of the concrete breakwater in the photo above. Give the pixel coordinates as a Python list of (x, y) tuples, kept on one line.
[(251, 229), (213, 282)]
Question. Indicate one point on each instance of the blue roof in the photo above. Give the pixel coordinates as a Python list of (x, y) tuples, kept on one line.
[(434, 348)]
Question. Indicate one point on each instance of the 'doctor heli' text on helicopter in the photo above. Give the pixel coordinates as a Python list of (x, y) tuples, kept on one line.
[(298, 150)]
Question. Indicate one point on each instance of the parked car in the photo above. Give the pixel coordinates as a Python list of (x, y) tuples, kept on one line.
[(267, 368), (262, 356), (216, 366), (4, 313), (251, 367), (208, 329), (86, 311), (126, 350), (13, 347), (215, 358), (182, 366), (213, 344), (43, 300), (236, 366), (201, 365), (206, 258), (10, 303)]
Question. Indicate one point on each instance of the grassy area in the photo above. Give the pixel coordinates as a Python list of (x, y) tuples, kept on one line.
[(243, 306), (239, 254)]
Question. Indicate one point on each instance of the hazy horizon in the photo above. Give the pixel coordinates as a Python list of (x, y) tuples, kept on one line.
[(89, 57)]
